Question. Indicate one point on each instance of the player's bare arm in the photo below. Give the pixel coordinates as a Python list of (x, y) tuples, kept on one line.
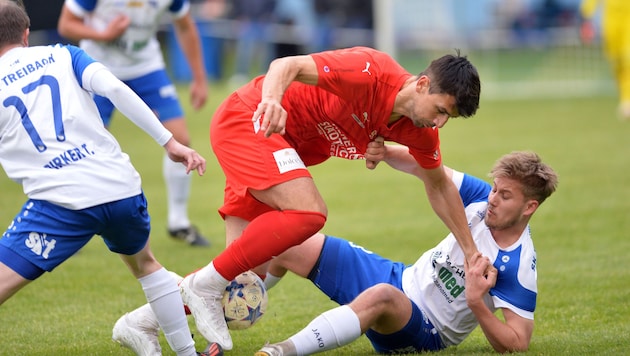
[(188, 39), (72, 27), (512, 335), (441, 191), (282, 72)]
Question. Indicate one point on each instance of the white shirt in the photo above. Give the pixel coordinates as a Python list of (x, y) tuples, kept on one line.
[(52, 139), (436, 281), (137, 52)]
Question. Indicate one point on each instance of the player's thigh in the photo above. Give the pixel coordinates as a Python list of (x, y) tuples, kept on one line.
[(296, 194), (10, 282)]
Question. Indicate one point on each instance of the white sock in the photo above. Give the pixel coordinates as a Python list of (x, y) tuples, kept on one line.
[(166, 302), (178, 191), (331, 329), (211, 279), (271, 280)]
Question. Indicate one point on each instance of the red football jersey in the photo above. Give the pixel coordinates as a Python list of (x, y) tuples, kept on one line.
[(350, 106)]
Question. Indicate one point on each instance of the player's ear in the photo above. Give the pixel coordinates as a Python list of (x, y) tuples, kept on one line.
[(25, 37), (530, 207), (423, 82)]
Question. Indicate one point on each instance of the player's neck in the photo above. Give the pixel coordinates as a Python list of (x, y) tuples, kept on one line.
[(508, 236), (7, 48)]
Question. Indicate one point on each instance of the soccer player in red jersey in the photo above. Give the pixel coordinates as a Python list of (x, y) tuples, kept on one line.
[(306, 109)]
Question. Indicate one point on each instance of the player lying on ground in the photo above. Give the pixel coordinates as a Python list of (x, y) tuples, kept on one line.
[(439, 300)]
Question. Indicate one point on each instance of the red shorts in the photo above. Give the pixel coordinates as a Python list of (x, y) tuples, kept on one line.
[(249, 159)]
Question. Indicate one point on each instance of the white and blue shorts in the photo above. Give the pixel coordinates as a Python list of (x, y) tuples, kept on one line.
[(43, 235)]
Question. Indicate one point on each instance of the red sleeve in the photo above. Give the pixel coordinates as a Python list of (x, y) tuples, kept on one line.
[(423, 143)]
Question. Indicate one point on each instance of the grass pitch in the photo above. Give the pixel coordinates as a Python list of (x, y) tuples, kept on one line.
[(581, 235)]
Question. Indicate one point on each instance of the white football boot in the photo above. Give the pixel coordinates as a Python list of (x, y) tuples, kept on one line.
[(207, 310), (138, 331)]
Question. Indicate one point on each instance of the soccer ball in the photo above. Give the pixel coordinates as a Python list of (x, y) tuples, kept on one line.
[(244, 301)]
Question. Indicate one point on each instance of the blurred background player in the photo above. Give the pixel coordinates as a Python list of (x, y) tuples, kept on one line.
[(122, 35), (78, 181), (615, 32)]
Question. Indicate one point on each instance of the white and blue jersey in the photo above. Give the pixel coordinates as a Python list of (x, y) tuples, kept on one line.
[(436, 282), (53, 142), (137, 52), (136, 57)]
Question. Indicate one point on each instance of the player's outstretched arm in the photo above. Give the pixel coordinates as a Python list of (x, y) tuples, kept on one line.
[(98, 79), (441, 191)]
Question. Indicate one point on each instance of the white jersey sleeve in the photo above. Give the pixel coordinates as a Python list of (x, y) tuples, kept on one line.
[(98, 79), (436, 282), (137, 52), (52, 139)]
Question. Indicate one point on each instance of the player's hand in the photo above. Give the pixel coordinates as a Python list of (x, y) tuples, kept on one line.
[(116, 28), (272, 116), (186, 155), (375, 152), (198, 93), (480, 277)]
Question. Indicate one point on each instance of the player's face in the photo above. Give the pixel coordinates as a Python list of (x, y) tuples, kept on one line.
[(506, 204), (432, 110)]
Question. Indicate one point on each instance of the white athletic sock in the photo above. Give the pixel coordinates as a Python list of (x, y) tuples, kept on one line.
[(271, 280), (166, 302), (211, 279), (331, 329), (178, 191)]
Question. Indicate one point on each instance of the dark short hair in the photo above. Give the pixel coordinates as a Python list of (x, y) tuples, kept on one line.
[(455, 75), (13, 22)]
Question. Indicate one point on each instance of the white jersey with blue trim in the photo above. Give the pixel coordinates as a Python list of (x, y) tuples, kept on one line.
[(137, 52), (436, 282), (52, 139)]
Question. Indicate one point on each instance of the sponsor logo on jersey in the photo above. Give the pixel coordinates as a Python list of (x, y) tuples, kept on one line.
[(288, 160), (340, 145)]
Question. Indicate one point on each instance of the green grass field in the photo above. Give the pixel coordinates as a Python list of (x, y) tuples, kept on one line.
[(581, 234)]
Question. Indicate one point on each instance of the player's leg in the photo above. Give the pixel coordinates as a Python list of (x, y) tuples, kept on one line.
[(178, 185), (10, 282), (298, 259), (160, 94), (266, 184), (267, 235), (162, 293), (127, 233), (382, 306)]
